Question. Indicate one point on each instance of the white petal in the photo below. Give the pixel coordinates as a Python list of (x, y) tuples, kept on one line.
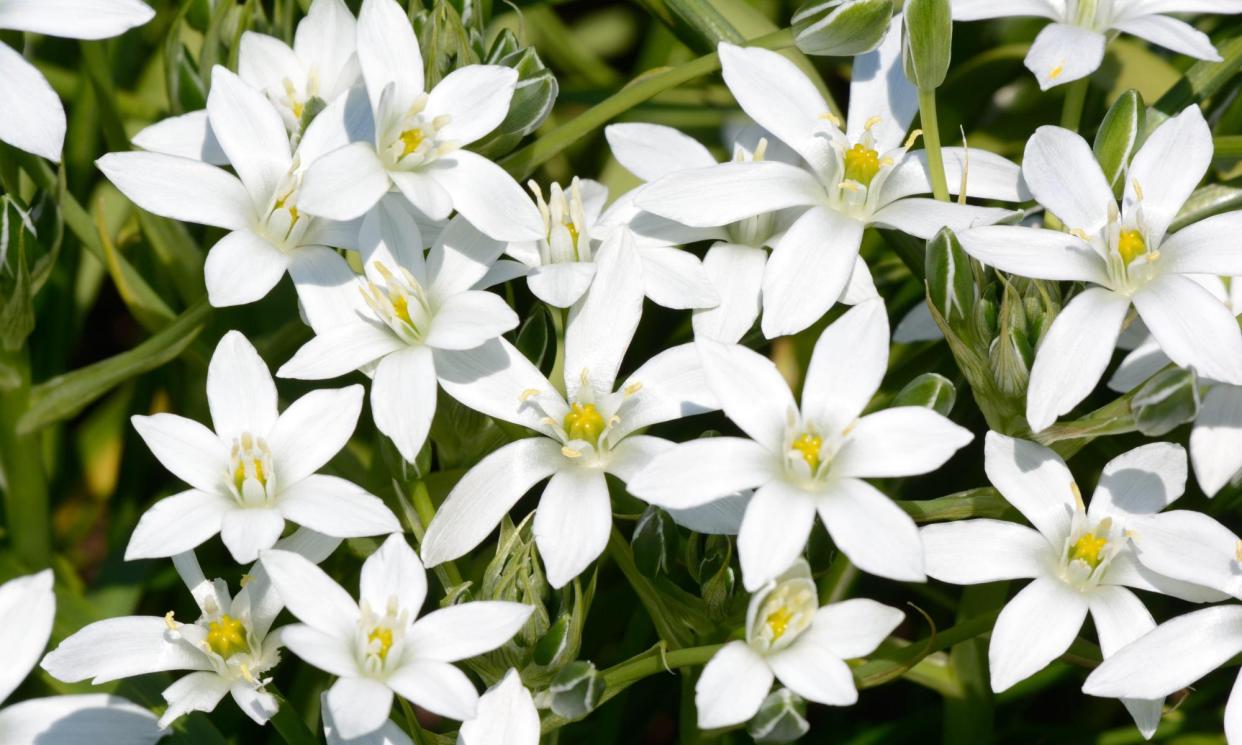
[(1170, 33), (732, 687), (1204, 247), (1120, 618), (916, 326), (1216, 439), (260, 706), (246, 532), (1063, 53), (388, 733), (423, 191), (1073, 354), (506, 713), (601, 326), (861, 286), (312, 430), (750, 389), (670, 386), (243, 267), (251, 133), (809, 268), (774, 531), (1194, 329), (201, 691), (468, 319), (475, 98), (488, 196), (1033, 479), (75, 19), (1167, 168), (388, 53), (181, 188), (1141, 481), (331, 654), (328, 289), (988, 176), (178, 523), (1061, 171), (35, 121), (813, 672), (189, 450), (923, 217), (720, 517), (971, 552), (719, 195), (393, 571), (703, 470), (493, 379), (873, 532), (118, 648), (975, 10), (572, 523), (327, 38), (336, 507), (358, 705), (561, 285), (879, 89), (467, 630), (345, 183), (265, 62), (1144, 361), (902, 441), (1127, 571), (346, 119), (403, 398), (853, 628), (736, 273), (846, 366), (1188, 546), (311, 595), (1172, 656), (485, 494), (776, 94), (650, 151), (676, 279), (1035, 628), (437, 687), (460, 258), (27, 607), (336, 351), (73, 719), (1035, 253), (240, 390)]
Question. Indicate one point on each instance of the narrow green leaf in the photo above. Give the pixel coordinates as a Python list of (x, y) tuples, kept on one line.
[(1204, 78), (982, 502)]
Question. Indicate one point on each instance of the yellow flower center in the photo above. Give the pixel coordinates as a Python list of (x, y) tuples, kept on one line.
[(227, 636), (584, 422), (383, 635), (808, 447), (778, 622), (1131, 245), (1088, 548), (861, 164), (411, 138), (239, 473)]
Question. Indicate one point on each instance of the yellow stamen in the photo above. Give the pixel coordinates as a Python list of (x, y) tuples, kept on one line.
[(778, 622), (861, 164), (633, 388), (169, 622), (1056, 72), (831, 118), (584, 422), (1088, 548), (1237, 553), (808, 446), (384, 637), (1131, 245), (412, 138), (227, 636)]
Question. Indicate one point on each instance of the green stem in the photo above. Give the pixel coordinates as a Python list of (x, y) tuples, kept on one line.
[(411, 720), (447, 572), (885, 667), (931, 139), (1075, 98), (620, 552), (522, 163), (557, 377), (26, 496), (289, 723), (1228, 147)]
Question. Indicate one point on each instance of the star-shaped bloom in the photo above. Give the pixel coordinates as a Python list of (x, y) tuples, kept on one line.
[(403, 319), (257, 469), (27, 608), (1125, 255), (260, 206), (791, 639), (854, 177), (229, 648), (418, 137), (1072, 46), (736, 260), (584, 433), (320, 67), (1082, 559), (810, 459), (34, 119), (379, 646)]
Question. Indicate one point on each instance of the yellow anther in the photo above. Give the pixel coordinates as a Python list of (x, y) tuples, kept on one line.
[(861, 164), (246, 674), (569, 452), (849, 186), (169, 622), (412, 139), (808, 447), (633, 388), (1080, 234), (1131, 245), (913, 138), (831, 118), (239, 473), (872, 122), (383, 635), (1138, 189), (528, 394), (778, 622), (227, 636), (1056, 72), (1237, 552), (245, 580), (1088, 548), (1077, 496), (584, 422)]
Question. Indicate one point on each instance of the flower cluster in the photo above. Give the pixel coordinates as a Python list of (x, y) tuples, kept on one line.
[(765, 411)]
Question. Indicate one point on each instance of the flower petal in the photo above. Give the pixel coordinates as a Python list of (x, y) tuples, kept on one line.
[(561, 285), (467, 630), (403, 398), (880, 90), (750, 389), (853, 628), (1033, 479), (393, 571), (494, 379), (27, 607), (902, 441), (388, 54), (340, 350), (475, 98), (923, 218), (1216, 439), (1166, 169), (675, 278), (345, 183), (1194, 329), (650, 151), (1063, 53), (736, 273), (774, 531), (75, 19), (82, 718), (976, 10), (251, 133), (468, 319), (601, 325), (201, 691), (240, 390), (873, 532), (312, 430), (243, 267), (1188, 546), (669, 386), (1170, 33), (181, 189), (1203, 247), (1141, 481), (488, 197), (506, 713), (971, 552), (118, 648), (189, 450), (437, 687), (311, 595), (1061, 171), (572, 523), (846, 366), (331, 654), (178, 523), (335, 507), (703, 470), (813, 672), (35, 121), (809, 268), (359, 705), (1120, 618), (1035, 253), (732, 687), (719, 195), (1033, 629), (246, 532)]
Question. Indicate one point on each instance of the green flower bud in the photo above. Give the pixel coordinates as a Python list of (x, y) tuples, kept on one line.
[(929, 390), (576, 690), (654, 541), (781, 718), (841, 28), (950, 279), (1119, 137), (1168, 399), (928, 42)]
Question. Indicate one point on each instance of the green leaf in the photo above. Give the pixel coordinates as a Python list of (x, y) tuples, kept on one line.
[(1119, 137), (841, 28), (65, 395), (533, 99), (576, 690), (983, 502), (17, 318), (781, 718), (928, 44), (1212, 199), (654, 541), (929, 390), (1168, 399)]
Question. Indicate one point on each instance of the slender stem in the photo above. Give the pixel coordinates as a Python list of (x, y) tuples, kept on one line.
[(289, 722), (931, 139), (1075, 97), (411, 720), (26, 494), (448, 572), (1228, 147), (620, 552), (557, 378)]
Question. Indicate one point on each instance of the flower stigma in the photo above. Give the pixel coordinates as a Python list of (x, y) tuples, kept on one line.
[(227, 636)]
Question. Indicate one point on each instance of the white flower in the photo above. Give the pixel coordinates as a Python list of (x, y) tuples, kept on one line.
[(810, 459), (1072, 46), (585, 433), (734, 264), (856, 177), (403, 319), (560, 266), (27, 608), (790, 638), (260, 206), (229, 647), (1126, 255), (506, 714), (418, 138), (1216, 438), (257, 469), (34, 119), (1081, 559), (379, 646), (319, 68)]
